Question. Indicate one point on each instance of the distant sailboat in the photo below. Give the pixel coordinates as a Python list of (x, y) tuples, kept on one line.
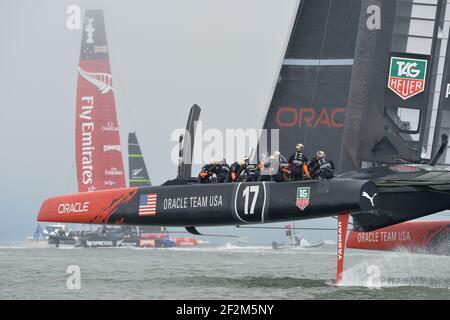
[(39, 238), (138, 175), (295, 240), (39, 234)]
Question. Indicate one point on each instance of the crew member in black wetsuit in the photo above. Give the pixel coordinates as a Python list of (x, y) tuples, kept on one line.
[(320, 168), (221, 170), (207, 172), (236, 170), (249, 172), (298, 164)]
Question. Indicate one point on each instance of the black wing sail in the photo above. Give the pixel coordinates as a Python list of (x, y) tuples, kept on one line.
[(338, 89), (396, 83), (138, 175), (187, 149), (310, 98), (443, 108)]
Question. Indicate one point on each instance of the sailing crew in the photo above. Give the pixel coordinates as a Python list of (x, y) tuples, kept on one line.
[(321, 168), (270, 168), (278, 156), (250, 172), (266, 168), (207, 172), (298, 164), (236, 169), (280, 165), (221, 170)]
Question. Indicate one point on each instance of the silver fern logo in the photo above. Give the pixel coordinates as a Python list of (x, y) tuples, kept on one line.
[(135, 172), (101, 80)]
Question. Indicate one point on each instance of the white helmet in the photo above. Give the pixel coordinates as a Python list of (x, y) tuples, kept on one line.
[(299, 147), (320, 155)]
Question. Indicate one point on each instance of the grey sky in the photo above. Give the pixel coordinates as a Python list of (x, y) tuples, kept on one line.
[(165, 54)]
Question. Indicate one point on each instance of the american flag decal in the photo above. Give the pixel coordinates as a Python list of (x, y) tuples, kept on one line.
[(147, 204)]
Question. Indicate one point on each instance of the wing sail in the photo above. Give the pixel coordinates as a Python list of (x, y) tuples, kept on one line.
[(138, 174), (98, 150)]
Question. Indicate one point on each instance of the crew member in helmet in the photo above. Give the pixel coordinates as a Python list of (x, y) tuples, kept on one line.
[(298, 164), (270, 168), (236, 169), (321, 168), (249, 172), (244, 170), (267, 168), (207, 172), (278, 156), (221, 170)]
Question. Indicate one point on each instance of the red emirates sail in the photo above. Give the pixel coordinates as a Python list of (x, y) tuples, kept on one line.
[(98, 148)]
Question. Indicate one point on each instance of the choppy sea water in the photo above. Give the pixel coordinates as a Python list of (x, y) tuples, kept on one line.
[(224, 272)]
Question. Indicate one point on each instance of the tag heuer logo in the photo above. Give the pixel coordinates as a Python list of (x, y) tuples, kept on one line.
[(407, 76), (303, 197)]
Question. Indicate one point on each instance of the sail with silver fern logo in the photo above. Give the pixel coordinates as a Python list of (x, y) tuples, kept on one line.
[(99, 159), (138, 175)]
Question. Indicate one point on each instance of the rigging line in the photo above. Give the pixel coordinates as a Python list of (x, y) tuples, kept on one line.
[(320, 57)]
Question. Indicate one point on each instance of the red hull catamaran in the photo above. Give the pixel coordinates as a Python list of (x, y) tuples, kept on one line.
[(417, 236)]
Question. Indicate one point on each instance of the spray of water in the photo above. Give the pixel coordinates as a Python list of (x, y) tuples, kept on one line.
[(399, 269)]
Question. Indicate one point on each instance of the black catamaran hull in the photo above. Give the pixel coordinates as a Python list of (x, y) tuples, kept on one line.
[(376, 198), (213, 204)]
